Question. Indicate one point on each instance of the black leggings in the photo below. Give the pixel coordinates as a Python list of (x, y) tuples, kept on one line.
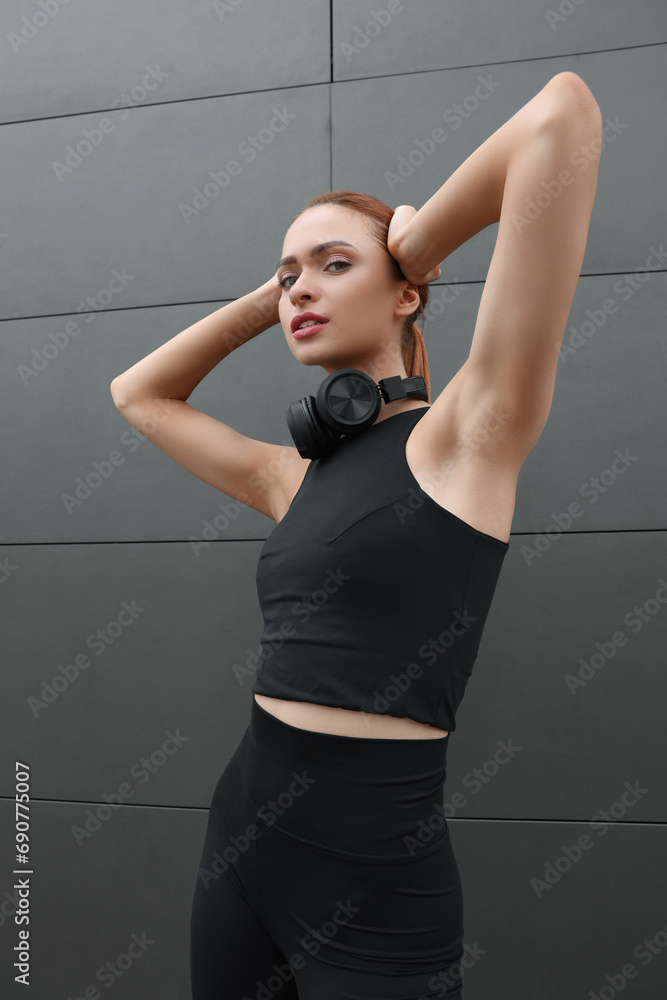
[(327, 872)]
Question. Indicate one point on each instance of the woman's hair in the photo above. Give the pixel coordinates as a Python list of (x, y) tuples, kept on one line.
[(378, 216)]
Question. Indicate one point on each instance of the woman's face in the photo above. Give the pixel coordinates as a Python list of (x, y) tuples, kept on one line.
[(350, 287)]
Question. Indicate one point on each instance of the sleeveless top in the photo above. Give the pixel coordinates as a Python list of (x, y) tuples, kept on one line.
[(374, 597)]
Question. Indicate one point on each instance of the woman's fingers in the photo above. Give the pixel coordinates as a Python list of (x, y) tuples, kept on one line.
[(400, 220)]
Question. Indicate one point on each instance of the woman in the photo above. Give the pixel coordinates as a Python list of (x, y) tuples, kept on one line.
[(327, 869)]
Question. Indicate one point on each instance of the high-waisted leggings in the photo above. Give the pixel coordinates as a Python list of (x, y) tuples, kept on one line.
[(327, 872)]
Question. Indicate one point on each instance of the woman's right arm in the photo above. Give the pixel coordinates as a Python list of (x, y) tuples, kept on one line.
[(152, 395)]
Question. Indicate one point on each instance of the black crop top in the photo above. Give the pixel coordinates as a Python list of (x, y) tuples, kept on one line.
[(374, 597)]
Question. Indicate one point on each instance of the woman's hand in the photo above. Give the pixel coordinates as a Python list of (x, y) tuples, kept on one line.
[(411, 269)]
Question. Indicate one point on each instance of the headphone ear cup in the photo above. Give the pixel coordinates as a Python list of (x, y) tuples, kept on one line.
[(321, 441), (308, 431), (348, 401)]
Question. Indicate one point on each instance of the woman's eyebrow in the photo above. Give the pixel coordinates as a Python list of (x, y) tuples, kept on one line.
[(315, 251)]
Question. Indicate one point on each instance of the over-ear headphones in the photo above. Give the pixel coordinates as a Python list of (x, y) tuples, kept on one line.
[(347, 402)]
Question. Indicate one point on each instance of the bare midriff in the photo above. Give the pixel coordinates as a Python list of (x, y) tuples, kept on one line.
[(345, 722)]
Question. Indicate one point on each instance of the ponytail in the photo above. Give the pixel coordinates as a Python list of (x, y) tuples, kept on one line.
[(413, 348), (415, 361)]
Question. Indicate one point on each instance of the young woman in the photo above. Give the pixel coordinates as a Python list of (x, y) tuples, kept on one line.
[(327, 869)]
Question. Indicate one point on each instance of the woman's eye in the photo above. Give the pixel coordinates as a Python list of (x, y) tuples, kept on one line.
[(287, 277), (346, 262)]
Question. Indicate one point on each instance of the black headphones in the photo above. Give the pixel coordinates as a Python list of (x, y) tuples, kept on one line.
[(347, 402)]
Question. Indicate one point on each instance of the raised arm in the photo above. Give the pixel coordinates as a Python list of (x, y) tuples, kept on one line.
[(152, 395), (537, 177)]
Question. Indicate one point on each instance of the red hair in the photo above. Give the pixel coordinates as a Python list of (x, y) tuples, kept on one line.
[(379, 215)]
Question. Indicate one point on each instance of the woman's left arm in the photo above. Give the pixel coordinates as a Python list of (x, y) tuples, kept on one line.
[(537, 177)]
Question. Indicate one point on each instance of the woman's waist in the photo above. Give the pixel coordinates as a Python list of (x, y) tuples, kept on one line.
[(331, 720), (368, 796)]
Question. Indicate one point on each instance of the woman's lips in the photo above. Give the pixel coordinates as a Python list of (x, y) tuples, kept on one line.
[(307, 330)]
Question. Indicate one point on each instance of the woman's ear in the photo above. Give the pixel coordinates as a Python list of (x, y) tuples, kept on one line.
[(408, 300)]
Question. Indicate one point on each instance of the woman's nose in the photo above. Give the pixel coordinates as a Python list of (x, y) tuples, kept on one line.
[(300, 290)]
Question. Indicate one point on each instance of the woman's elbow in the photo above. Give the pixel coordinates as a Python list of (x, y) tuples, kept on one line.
[(567, 91)]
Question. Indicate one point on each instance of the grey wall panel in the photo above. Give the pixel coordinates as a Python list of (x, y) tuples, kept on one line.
[(565, 702), (57, 390), (383, 144), (187, 201), (600, 451), (94, 477), (395, 36), (120, 894), (170, 637), (64, 58), (562, 941), (118, 648)]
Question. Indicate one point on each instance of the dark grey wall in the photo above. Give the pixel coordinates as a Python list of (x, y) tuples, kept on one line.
[(101, 264)]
